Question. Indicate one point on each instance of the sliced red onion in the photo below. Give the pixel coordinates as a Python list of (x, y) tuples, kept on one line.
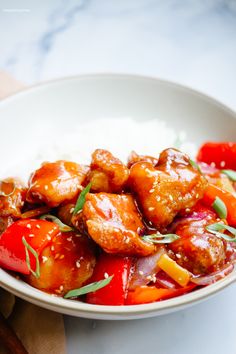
[(208, 169), (213, 277), (145, 269), (164, 281)]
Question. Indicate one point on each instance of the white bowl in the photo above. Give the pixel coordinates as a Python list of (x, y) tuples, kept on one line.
[(67, 102)]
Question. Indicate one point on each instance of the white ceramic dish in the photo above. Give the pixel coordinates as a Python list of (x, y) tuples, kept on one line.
[(63, 103)]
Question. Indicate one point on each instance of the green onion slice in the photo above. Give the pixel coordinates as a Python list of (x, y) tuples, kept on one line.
[(231, 174), (195, 165), (220, 208), (159, 238), (88, 288), (81, 199), (62, 227), (217, 227), (9, 184), (30, 249), (178, 142)]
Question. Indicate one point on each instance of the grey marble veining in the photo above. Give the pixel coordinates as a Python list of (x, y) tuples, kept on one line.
[(192, 42)]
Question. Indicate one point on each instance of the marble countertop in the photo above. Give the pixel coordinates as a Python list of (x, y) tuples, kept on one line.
[(188, 41), (191, 42)]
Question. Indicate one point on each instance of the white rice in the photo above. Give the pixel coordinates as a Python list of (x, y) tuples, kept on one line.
[(118, 136)]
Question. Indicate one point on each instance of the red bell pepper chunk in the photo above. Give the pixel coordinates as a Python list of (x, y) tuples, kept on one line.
[(37, 233), (229, 200), (222, 154), (115, 292), (146, 294)]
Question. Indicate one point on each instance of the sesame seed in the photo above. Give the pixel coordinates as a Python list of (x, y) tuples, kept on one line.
[(46, 187), (38, 226), (44, 258), (158, 198), (62, 256), (31, 235), (106, 275), (127, 239), (152, 190), (72, 210), (52, 248), (213, 164), (29, 226), (187, 210), (152, 278), (140, 272), (222, 164), (69, 238), (77, 263), (197, 195), (57, 255), (171, 198), (48, 238), (61, 288), (178, 255), (151, 208)]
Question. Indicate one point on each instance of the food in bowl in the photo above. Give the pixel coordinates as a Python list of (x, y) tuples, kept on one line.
[(123, 234)]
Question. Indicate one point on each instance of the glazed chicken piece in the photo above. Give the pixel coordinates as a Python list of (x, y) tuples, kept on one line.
[(56, 182), (12, 197), (107, 174), (66, 264), (164, 191), (198, 250), (114, 223), (5, 221), (134, 157)]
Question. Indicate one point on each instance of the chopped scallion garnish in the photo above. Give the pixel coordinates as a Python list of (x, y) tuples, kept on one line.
[(81, 199), (195, 165), (88, 288), (30, 249), (159, 238), (178, 142), (231, 174), (217, 227), (220, 208), (62, 227)]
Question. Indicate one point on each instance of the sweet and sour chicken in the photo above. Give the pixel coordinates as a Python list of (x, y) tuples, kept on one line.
[(56, 182), (114, 223), (115, 233), (166, 189)]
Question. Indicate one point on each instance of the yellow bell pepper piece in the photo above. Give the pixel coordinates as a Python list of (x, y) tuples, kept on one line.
[(175, 271)]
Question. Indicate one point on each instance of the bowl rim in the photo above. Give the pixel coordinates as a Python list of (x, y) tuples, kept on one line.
[(113, 75), (25, 291), (29, 293)]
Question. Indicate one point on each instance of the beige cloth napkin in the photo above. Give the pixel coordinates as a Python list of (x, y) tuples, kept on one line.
[(41, 331)]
